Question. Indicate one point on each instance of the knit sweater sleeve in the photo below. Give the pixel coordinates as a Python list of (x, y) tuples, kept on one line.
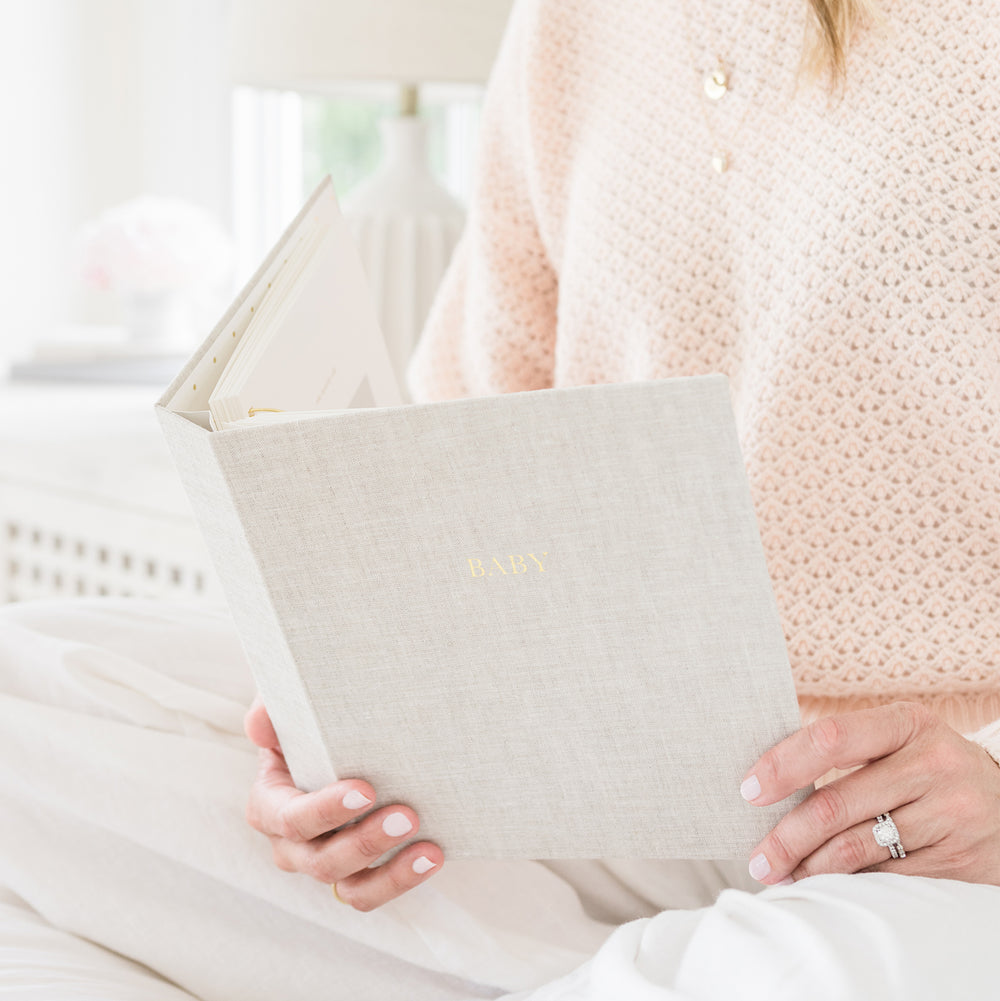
[(491, 328)]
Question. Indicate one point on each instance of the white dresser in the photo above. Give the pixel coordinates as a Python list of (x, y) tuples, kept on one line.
[(90, 503)]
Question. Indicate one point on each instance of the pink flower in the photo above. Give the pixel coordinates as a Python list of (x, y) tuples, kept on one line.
[(154, 244)]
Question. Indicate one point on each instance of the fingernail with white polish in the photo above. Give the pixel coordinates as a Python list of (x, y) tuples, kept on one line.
[(759, 867), (354, 800), (787, 881), (396, 825), (422, 865), (750, 789)]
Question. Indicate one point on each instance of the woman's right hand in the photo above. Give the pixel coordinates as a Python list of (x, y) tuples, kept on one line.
[(308, 833)]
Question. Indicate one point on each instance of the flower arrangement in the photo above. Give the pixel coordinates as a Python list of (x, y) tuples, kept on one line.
[(153, 245)]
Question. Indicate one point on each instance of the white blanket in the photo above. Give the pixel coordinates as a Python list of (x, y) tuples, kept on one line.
[(38, 961), (123, 785)]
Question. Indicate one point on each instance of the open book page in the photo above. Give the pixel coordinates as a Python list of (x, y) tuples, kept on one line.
[(189, 393), (302, 334), (281, 296), (361, 398), (313, 341), (261, 418)]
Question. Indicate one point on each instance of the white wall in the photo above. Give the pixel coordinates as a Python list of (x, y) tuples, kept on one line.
[(34, 194), (101, 100)]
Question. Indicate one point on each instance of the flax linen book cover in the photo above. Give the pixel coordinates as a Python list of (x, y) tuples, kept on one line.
[(542, 619)]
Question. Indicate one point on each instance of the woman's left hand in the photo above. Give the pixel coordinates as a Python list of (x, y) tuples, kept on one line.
[(942, 791)]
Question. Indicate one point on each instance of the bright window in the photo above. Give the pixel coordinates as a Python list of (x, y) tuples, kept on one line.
[(285, 142)]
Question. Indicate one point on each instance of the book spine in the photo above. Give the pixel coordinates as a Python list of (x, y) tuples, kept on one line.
[(213, 489)]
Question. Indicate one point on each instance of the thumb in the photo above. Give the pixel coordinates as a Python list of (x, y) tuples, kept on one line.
[(257, 725)]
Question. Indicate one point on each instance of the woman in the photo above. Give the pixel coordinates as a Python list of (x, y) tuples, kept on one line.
[(661, 192), (665, 190)]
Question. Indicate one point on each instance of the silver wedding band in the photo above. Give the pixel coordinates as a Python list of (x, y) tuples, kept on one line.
[(887, 835)]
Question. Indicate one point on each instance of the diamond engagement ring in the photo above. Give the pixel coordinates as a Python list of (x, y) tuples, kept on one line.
[(887, 835)]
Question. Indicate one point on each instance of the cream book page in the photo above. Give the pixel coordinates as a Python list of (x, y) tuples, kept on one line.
[(313, 342)]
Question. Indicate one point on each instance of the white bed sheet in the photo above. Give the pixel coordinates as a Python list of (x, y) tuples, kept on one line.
[(123, 778), (41, 963)]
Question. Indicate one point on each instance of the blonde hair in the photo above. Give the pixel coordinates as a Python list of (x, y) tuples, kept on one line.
[(832, 26)]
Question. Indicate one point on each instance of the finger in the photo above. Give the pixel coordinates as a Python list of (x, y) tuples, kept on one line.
[(842, 742), (348, 851), (257, 724), (856, 850), (277, 808), (371, 888), (837, 807)]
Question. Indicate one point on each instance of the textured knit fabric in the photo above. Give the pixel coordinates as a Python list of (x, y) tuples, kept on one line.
[(845, 275)]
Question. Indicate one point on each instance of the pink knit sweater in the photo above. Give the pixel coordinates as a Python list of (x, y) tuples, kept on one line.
[(845, 275)]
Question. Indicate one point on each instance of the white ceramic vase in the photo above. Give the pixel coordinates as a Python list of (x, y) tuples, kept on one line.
[(405, 225)]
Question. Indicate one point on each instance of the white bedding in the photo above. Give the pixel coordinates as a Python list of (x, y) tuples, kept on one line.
[(39, 962), (122, 791)]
